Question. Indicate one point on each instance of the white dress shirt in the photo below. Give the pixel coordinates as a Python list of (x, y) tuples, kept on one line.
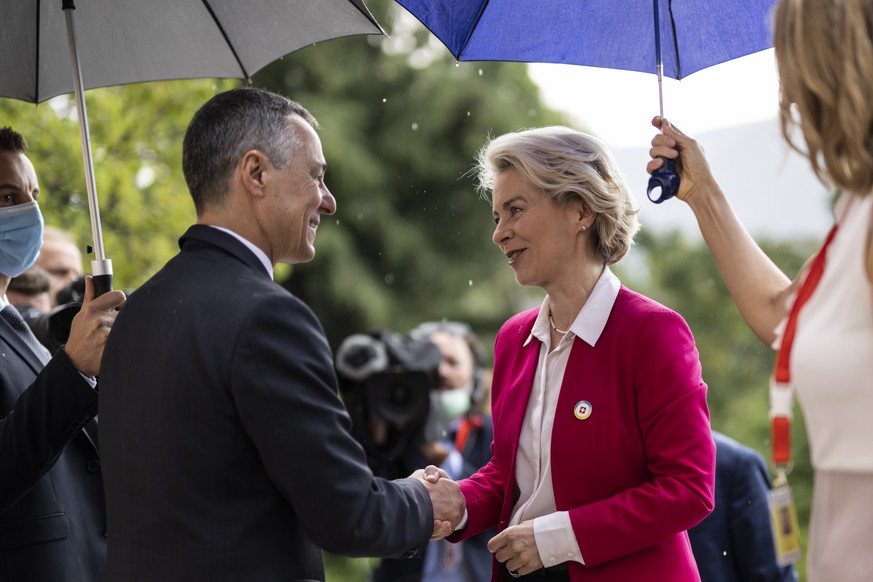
[(553, 531)]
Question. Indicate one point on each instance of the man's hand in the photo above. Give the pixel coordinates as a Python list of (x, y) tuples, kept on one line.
[(516, 547), (445, 496), (90, 328)]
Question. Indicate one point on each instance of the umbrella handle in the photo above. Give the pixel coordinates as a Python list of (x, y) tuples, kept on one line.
[(101, 275), (664, 182), (102, 284)]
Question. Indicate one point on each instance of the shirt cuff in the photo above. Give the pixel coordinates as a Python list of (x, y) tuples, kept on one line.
[(463, 523), (91, 380), (556, 541)]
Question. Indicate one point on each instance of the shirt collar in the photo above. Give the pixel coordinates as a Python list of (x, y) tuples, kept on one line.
[(591, 320), (262, 256)]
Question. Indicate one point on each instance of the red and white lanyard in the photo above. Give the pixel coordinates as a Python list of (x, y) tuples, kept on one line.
[(781, 392)]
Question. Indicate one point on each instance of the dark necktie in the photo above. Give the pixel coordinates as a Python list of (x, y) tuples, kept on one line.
[(14, 319)]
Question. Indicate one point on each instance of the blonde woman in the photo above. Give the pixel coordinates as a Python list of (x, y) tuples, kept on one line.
[(603, 455)]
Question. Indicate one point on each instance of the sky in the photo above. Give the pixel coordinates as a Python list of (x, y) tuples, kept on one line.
[(731, 109), (618, 106)]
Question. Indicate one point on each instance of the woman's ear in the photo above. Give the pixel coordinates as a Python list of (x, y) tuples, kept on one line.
[(584, 216)]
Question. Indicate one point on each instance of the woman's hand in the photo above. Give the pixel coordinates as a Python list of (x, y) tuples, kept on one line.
[(691, 163), (516, 548)]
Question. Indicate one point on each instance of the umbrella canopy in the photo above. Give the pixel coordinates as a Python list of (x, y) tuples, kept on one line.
[(666, 37), (131, 41), (46, 51), (614, 34)]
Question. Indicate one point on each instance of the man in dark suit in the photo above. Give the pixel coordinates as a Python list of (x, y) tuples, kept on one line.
[(734, 543), (52, 517), (227, 451)]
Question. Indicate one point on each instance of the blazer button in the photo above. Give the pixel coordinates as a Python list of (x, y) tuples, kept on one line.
[(93, 466)]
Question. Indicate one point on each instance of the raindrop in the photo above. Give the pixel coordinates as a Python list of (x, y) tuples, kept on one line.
[(457, 64), (470, 282), (468, 114), (724, 553), (414, 126), (384, 100), (337, 221), (144, 178), (480, 72), (389, 279)]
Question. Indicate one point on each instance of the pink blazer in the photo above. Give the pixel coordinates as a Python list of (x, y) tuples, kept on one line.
[(635, 474)]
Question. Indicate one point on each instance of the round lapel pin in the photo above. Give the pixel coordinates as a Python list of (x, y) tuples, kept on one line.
[(582, 410)]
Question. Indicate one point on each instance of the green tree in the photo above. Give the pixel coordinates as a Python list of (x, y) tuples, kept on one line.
[(136, 136)]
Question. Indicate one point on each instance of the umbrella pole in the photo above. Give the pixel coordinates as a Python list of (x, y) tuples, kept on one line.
[(101, 267), (664, 182)]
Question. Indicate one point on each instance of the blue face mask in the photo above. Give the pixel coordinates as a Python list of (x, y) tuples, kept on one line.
[(20, 237)]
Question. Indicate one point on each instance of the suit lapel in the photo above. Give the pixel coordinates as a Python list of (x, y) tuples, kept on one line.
[(522, 365), (11, 337)]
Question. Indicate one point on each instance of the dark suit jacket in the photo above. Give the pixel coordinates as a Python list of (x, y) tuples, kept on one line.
[(734, 543), (227, 451), (52, 517)]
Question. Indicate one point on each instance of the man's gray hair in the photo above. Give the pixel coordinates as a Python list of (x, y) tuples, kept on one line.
[(229, 125)]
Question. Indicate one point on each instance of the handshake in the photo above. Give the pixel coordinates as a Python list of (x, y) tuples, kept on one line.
[(448, 503)]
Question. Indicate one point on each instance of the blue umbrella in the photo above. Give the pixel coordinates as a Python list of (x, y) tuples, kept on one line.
[(613, 34)]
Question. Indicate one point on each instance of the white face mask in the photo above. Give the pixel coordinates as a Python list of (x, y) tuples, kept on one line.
[(453, 403), (20, 237)]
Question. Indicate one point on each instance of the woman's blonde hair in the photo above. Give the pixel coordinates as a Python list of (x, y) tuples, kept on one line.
[(568, 165), (824, 53)]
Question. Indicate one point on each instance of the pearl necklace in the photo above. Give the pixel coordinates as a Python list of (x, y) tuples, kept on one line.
[(555, 327)]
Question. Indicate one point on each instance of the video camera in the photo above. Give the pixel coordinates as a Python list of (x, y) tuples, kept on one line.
[(386, 380)]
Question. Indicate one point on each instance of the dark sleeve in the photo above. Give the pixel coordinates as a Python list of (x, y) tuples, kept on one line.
[(750, 520), (286, 394), (49, 413)]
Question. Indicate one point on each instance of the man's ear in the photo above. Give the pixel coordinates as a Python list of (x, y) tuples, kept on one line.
[(252, 170)]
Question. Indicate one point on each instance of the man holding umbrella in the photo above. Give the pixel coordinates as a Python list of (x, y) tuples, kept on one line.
[(52, 519), (227, 451)]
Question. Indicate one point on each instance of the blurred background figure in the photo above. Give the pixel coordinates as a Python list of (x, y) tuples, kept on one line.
[(419, 399), (61, 259), (30, 290), (734, 542)]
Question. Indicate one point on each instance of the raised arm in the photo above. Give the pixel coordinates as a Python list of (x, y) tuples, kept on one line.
[(758, 287)]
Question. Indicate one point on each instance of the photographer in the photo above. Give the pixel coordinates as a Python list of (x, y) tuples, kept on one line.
[(414, 405)]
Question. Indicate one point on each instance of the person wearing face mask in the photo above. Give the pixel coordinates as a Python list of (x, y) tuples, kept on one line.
[(52, 520), (457, 439)]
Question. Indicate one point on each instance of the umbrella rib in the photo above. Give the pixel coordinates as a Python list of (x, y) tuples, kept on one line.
[(475, 23), (38, 52), (224, 34), (675, 40)]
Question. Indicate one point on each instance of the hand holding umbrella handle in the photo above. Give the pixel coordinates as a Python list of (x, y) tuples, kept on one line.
[(664, 182)]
